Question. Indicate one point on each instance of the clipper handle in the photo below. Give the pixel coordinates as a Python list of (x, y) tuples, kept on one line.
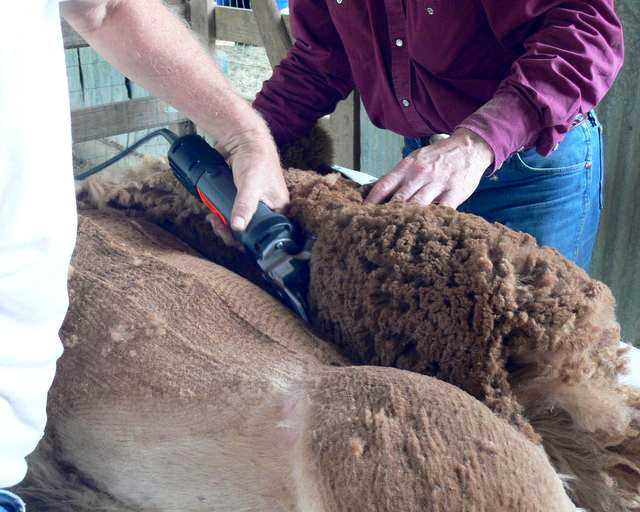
[(205, 173)]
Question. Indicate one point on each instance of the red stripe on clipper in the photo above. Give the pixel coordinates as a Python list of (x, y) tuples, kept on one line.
[(212, 207)]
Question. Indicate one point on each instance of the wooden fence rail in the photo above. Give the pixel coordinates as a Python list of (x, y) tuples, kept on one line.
[(263, 26)]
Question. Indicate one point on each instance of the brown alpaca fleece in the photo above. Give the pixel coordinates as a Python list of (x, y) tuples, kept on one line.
[(313, 151), (184, 387), (596, 460), (478, 305), (448, 294)]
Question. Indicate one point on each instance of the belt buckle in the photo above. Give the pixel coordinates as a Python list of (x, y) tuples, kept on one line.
[(437, 137)]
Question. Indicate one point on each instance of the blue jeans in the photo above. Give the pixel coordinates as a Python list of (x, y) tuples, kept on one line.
[(557, 198), (10, 502)]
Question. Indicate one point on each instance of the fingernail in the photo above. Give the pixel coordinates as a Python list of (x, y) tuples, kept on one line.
[(239, 223)]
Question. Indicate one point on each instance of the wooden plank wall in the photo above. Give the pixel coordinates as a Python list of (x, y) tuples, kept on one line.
[(103, 107), (381, 150), (264, 26), (93, 84), (617, 256)]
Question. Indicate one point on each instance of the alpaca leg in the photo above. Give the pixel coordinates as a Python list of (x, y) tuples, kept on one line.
[(380, 439)]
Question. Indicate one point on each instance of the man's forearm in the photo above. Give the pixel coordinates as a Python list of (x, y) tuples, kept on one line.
[(310, 82), (146, 42)]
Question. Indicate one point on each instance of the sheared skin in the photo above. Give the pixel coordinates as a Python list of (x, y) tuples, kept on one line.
[(174, 380), (379, 430), (184, 387), (515, 325)]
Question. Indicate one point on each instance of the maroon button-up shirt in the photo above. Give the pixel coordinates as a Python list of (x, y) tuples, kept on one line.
[(516, 72)]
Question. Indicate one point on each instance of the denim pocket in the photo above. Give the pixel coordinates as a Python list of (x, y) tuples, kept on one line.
[(573, 153)]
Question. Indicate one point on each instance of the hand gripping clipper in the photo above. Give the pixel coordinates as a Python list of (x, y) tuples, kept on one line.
[(271, 238)]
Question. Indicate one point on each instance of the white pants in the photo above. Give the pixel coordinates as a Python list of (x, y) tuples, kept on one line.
[(37, 221), (633, 378)]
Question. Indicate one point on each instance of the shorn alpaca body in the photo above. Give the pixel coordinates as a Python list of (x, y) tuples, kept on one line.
[(426, 290), (186, 388)]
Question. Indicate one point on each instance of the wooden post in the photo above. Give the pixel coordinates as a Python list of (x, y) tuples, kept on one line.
[(203, 23), (202, 18), (344, 123), (273, 31), (344, 128)]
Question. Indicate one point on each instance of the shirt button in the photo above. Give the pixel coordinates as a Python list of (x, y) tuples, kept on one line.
[(430, 11), (406, 102), (399, 43)]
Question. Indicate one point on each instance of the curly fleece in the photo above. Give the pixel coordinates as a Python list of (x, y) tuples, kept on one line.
[(447, 294), (438, 292)]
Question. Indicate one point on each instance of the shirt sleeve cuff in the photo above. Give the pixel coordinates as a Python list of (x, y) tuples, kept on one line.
[(508, 123)]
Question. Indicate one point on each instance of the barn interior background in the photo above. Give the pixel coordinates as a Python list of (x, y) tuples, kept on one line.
[(110, 113)]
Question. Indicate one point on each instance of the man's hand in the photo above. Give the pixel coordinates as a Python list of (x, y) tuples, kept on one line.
[(446, 172), (257, 175)]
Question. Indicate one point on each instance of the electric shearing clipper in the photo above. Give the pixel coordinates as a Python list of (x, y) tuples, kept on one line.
[(277, 245), (271, 238)]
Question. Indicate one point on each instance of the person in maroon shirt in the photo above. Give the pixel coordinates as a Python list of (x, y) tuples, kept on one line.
[(514, 83)]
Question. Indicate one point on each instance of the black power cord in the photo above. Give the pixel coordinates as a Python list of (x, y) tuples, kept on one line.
[(163, 132)]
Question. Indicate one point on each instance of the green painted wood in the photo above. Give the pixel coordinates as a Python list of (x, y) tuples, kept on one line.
[(617, 257), (381, 150)]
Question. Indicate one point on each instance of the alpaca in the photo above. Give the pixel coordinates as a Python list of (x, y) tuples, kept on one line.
[(184, 387), (449, 295)]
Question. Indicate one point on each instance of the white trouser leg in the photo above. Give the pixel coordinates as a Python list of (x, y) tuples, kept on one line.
[(633, 377)]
